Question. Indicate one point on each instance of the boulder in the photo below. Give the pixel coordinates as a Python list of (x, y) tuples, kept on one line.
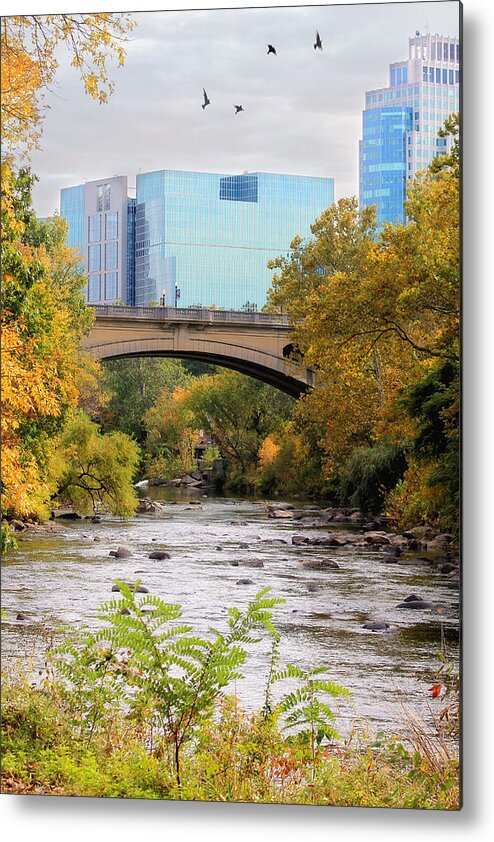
[(299, 540), (376, 538), (417, 604), (121, 552), (21, 616), (280, 513), (278, 507), (244, 582), (139, 589), (320, 564), (159, 555), (376, 625)]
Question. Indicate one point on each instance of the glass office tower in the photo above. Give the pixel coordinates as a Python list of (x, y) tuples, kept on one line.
[(401, 121), (205, 239)]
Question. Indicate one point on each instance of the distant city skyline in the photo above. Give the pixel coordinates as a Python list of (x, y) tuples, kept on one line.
[(302, 108)]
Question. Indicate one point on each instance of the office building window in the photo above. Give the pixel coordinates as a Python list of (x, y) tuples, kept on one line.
[(438, 75), (451, 52), (110, 285), (99, 198), (94, 258), (107, 197), (94, 228), (424, 74), (433, 52), (457, 76), (111, 255), (431, 74), (94, 288), (445, 52), (445, 76), (451, 77), (111, 226)]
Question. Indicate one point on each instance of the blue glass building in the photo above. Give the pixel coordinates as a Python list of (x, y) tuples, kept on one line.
[(207, 237), (401, 121), (189, 238)]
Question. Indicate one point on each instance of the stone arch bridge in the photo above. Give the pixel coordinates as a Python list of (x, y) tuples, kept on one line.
[(258, 344)]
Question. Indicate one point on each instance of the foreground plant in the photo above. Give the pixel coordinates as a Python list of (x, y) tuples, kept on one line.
[(151, 662)]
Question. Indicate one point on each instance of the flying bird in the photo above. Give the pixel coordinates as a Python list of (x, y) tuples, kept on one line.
[(271, 49), (206, 100), (238, 108), (318, 44)]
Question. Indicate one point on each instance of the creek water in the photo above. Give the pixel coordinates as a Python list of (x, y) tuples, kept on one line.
[(62, 578)]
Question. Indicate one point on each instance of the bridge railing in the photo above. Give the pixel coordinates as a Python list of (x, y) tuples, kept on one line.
[(198, 314)]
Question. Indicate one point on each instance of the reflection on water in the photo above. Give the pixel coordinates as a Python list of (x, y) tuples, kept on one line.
[(54, 580)]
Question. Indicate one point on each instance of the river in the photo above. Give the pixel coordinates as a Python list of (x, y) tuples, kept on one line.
[(62, 578)]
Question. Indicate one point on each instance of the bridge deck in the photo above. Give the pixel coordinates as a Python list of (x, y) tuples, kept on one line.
[(190, 314)]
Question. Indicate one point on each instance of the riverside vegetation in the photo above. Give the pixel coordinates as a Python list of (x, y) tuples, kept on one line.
[(139, 709), (376, 315)]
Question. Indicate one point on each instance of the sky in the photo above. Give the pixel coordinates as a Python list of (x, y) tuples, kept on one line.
[(302, 108)]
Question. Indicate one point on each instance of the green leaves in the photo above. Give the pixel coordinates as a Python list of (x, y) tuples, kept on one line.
[(146, 658)]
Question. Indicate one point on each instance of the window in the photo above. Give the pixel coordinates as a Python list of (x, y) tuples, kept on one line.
[(393, 77), (438, 75), (445, 54), (107, 197), (99, 198), (451, 77), (111, 255), (451, 52), (457, 76), (110, 285), (94, 288), (94, 228), (445, 76), (111, 226), (431, 74), (457, 52), (94, 258), (433, 52), (398, 75), (439, 50), (405, 75), (424, 74)]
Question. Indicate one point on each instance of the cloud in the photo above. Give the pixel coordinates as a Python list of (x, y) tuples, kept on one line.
[(302, 108)]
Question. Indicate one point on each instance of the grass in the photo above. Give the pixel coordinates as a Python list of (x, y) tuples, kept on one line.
[(235, 756)]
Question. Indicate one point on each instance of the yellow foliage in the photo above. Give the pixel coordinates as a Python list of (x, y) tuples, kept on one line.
[(268, 452)]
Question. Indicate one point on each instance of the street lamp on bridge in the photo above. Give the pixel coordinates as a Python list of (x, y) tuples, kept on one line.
[(177, 294)]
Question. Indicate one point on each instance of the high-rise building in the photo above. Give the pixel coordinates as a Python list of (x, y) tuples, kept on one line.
[(190, 238), (100, 218), (401, 122)]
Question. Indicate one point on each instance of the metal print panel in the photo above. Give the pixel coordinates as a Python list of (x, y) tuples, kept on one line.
[(230, 392)]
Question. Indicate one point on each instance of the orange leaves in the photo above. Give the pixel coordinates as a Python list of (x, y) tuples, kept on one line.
[(29, 50), (435, 690)]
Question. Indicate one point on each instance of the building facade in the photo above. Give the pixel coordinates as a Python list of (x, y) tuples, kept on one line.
[(401, 122), (190, 238), (99, 222)]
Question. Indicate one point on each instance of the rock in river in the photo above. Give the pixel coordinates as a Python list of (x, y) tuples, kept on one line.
[(320, 564), (121, 552), (159, 555), (244, 582), (139, 589)]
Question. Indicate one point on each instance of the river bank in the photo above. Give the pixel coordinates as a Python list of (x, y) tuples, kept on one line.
[(334, 577)]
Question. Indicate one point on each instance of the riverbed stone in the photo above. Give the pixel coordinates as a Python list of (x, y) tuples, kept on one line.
[(418, 604), (376, 625), (255, 562), (244, 582), (300, 540), (21, 616), (320, 564), (121, 552), (280, 514), (139, 589), (159, 555)]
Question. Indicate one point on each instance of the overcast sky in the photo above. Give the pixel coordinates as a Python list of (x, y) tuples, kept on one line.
[(302, 108)]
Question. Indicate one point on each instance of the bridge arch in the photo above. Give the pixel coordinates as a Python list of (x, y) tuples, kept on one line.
[(251, 343)]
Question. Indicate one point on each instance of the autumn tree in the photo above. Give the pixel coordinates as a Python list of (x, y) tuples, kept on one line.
[(374, 312), (30, 52)]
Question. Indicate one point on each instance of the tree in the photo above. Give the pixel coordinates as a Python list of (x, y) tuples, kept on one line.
[(238, 412), (134, 385), (92, 470), (30, 46), (43, 320), (374, 313)]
